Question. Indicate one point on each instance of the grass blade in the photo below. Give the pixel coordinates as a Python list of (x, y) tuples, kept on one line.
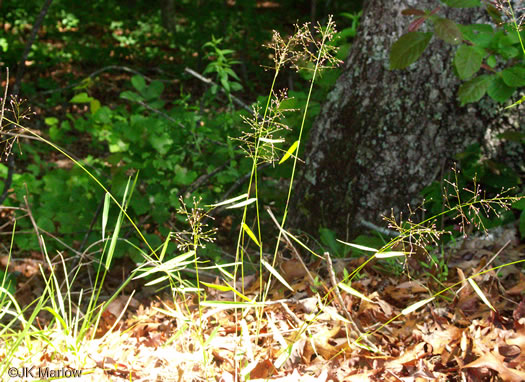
[(385, 255), (105, 213), (243, 203), (290, 151), (353, 292), (250, 233), (274, 272), (229, 201), (480, 293), (361, 247), (416, 306)]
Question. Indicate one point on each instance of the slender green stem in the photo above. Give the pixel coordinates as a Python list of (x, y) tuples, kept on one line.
[(296, 156)]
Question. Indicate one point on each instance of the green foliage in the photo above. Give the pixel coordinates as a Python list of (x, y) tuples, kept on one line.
[(221, 64), (448, 31), (498, 51), (329, 241), (468, 61), (172, 136), (408, 49), (170, 144)]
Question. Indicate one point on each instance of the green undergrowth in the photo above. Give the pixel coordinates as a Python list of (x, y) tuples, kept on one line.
[(175, 134)]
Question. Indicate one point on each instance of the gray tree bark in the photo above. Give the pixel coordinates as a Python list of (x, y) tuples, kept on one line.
[(383, 135)]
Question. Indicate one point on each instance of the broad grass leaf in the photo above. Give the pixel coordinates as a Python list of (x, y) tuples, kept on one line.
[(229, 201), (448, 31), (227, 288), (220, 288), (157, 280), (274, 272), (408, 48), (290, 151), (114, 237), (243, 203), (480, 293), (416, 306), (164, 248), (172, 265), (385, 255), (353, 292), (231, 304), (105, 214), (250, 233), (361, 247)]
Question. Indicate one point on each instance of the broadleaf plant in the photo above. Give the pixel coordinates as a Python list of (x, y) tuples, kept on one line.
[(490, 60)]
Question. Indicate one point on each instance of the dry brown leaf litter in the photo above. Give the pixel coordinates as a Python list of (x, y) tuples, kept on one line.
[(456, 338)]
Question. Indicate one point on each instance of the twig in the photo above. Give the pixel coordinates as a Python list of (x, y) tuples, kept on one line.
[(289, 242), (93, 221), (210, 82), (335, 284), (384, 231), (59, 241), (172, 120), (160, 112), (355, 326), (5, 97), (79, 254), (496, 255), (297, 320), (202, 180), (96, 73), (241, 180)]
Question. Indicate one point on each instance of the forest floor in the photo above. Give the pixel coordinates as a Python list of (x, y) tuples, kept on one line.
[(305, 335)]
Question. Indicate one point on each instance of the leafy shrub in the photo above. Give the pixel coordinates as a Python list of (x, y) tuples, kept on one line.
[(496, 50)]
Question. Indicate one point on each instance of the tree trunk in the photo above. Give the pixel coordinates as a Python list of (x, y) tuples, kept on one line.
[(383, 135)]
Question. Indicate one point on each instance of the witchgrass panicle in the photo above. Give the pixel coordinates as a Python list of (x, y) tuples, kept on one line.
[(263, 135), (18, 112), (199, 234), (470, 214)]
